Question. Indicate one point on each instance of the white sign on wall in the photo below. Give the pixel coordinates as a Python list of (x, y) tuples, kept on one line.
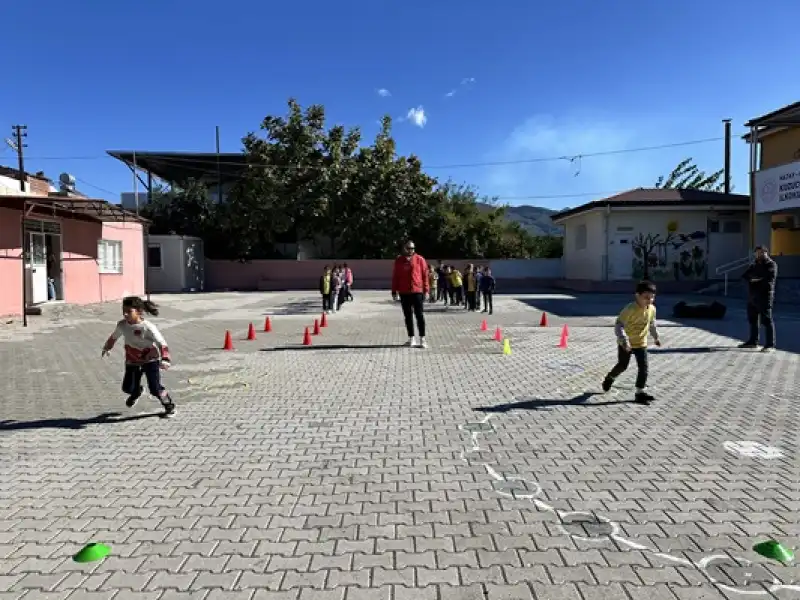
[(778, 188)]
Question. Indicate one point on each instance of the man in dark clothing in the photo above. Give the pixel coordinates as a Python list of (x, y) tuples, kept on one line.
[(760, 277), (410, 281)]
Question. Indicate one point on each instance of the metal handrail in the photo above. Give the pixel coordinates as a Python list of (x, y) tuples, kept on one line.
[(732, 266)]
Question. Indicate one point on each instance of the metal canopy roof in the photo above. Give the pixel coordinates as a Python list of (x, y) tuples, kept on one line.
[(179, 167), (86, 208)]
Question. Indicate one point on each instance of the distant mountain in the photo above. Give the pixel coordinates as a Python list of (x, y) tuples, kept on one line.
[(533, 218)]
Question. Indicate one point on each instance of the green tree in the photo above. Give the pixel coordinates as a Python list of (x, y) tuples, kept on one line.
[(687, 175), (182, 210)]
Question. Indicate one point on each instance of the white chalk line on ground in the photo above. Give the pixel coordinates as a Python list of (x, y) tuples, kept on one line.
[(534, 490)]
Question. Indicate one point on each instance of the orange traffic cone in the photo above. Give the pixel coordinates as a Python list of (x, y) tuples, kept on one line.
[(307, 338), (324, 321), (251, 332), (484, 325), (228, 345), (267, 324), (543, 321), (498, 335), (564, 336), (316, 327)]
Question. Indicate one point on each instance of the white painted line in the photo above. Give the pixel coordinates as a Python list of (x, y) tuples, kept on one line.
[(750, 449)]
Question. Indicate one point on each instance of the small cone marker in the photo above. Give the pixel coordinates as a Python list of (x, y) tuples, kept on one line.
[(228, 345), (543, 320), (91, 553), (498, 335), (506, 347), (307, 338), (484, 325), (267, 324), (774, 551), (562, 343), (324, 321), (316, 327), (251, 332)]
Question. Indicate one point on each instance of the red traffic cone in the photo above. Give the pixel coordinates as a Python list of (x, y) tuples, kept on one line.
[(307, 338), (543, 321), (484, 325), (498, 335), (324, 321), (251, 332), (228, 345), (267, 324), (316, 327), (564, 335)]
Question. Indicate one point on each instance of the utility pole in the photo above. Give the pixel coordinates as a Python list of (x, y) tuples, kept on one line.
[(219, 172), (727, 167), (20, 133)]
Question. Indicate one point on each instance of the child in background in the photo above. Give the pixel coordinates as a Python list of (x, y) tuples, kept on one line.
[(478, 276), (457, 287), (487, 290), (146, 352), (471, 285), (633, 324), (336, 289), (433, 279), (325, 289)]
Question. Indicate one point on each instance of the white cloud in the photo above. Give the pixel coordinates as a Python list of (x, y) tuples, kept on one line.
[(384, 93), (450, 94), (546, 136), (467, 80), (417, 116)]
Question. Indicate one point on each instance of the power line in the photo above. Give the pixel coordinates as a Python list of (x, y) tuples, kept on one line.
[(213, 161)]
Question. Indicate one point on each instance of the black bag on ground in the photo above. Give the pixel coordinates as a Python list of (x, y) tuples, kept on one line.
[(684, 310)]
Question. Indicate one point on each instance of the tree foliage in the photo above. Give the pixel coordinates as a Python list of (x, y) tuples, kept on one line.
[(321, 185), (688, 176)]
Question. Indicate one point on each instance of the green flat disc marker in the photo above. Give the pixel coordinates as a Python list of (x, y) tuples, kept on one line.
[(92, 553), (774, 551)]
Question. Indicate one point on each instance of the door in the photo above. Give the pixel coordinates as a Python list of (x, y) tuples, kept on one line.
[(620, 258), (38, 268)]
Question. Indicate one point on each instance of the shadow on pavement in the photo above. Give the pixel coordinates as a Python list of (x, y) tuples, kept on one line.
[(695, 350), (70, 423), (333, 347), (542, 404)]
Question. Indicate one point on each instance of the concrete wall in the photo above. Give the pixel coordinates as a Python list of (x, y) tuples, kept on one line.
[(368, 274), (585, 261), (181, 270)]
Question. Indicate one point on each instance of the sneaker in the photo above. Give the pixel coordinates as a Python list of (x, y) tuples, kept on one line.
[(169, 406), (607, 383), (768, 349), (423, 343), (748, 345), (412, 341), (132, 400), (643, 398)]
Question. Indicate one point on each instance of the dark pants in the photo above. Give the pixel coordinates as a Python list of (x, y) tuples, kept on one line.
[(348, 296), (472, 299), (488, 303), (413, 307), (326, 302), (761, 314), (132, 382), (624, 359)]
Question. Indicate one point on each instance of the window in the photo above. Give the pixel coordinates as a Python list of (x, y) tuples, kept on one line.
[(154, 256), (109, 256), (580, 237), (731, 227)]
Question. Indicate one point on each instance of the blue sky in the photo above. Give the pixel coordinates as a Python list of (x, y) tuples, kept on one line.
[(540, 79)]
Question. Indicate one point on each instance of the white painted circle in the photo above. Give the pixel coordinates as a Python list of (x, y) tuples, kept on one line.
[(750, 449), (707, 561), (613, 533), (534, 491)]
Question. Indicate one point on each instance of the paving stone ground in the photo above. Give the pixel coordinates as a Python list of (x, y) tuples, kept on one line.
[(356, 469)]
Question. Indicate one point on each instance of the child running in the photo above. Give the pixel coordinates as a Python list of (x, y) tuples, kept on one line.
[(146, 352), (633, 324)]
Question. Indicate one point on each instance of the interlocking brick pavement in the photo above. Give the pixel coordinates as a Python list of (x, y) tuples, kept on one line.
[(366, 470)]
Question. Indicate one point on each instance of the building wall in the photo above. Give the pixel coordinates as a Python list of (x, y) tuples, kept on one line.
[(585, 256), (82, 281), (367, 274), (182, 265), (35, 186), (778, 149)]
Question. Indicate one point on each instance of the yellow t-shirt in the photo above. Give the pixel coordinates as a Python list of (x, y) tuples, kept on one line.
[(470, 282), (455, 279), (326, 284), (433, 278), (634, 323)]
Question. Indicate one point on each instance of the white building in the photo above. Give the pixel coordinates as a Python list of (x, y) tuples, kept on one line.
[(687, 235), (175, 264)]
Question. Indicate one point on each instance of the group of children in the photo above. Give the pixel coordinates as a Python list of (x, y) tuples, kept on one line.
[(467, 288), (335, 285), (146, 351)]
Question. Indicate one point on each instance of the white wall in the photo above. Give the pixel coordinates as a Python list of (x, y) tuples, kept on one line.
[(534, 268), (584, 261), (182, 264)]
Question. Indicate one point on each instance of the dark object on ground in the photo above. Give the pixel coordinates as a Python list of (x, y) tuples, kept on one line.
[(714, 310)]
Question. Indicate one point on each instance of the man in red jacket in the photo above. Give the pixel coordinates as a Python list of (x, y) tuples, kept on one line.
[(410, 281)]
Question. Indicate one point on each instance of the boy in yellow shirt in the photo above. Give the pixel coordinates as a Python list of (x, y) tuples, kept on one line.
[(633, 324)]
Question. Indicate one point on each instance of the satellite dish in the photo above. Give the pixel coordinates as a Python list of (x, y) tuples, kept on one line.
[(67, 182)]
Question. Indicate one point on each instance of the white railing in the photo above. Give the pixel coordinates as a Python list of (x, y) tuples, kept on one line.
[(734, 265)]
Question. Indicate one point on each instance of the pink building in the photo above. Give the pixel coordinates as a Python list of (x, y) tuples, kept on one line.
[(77, 251)]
